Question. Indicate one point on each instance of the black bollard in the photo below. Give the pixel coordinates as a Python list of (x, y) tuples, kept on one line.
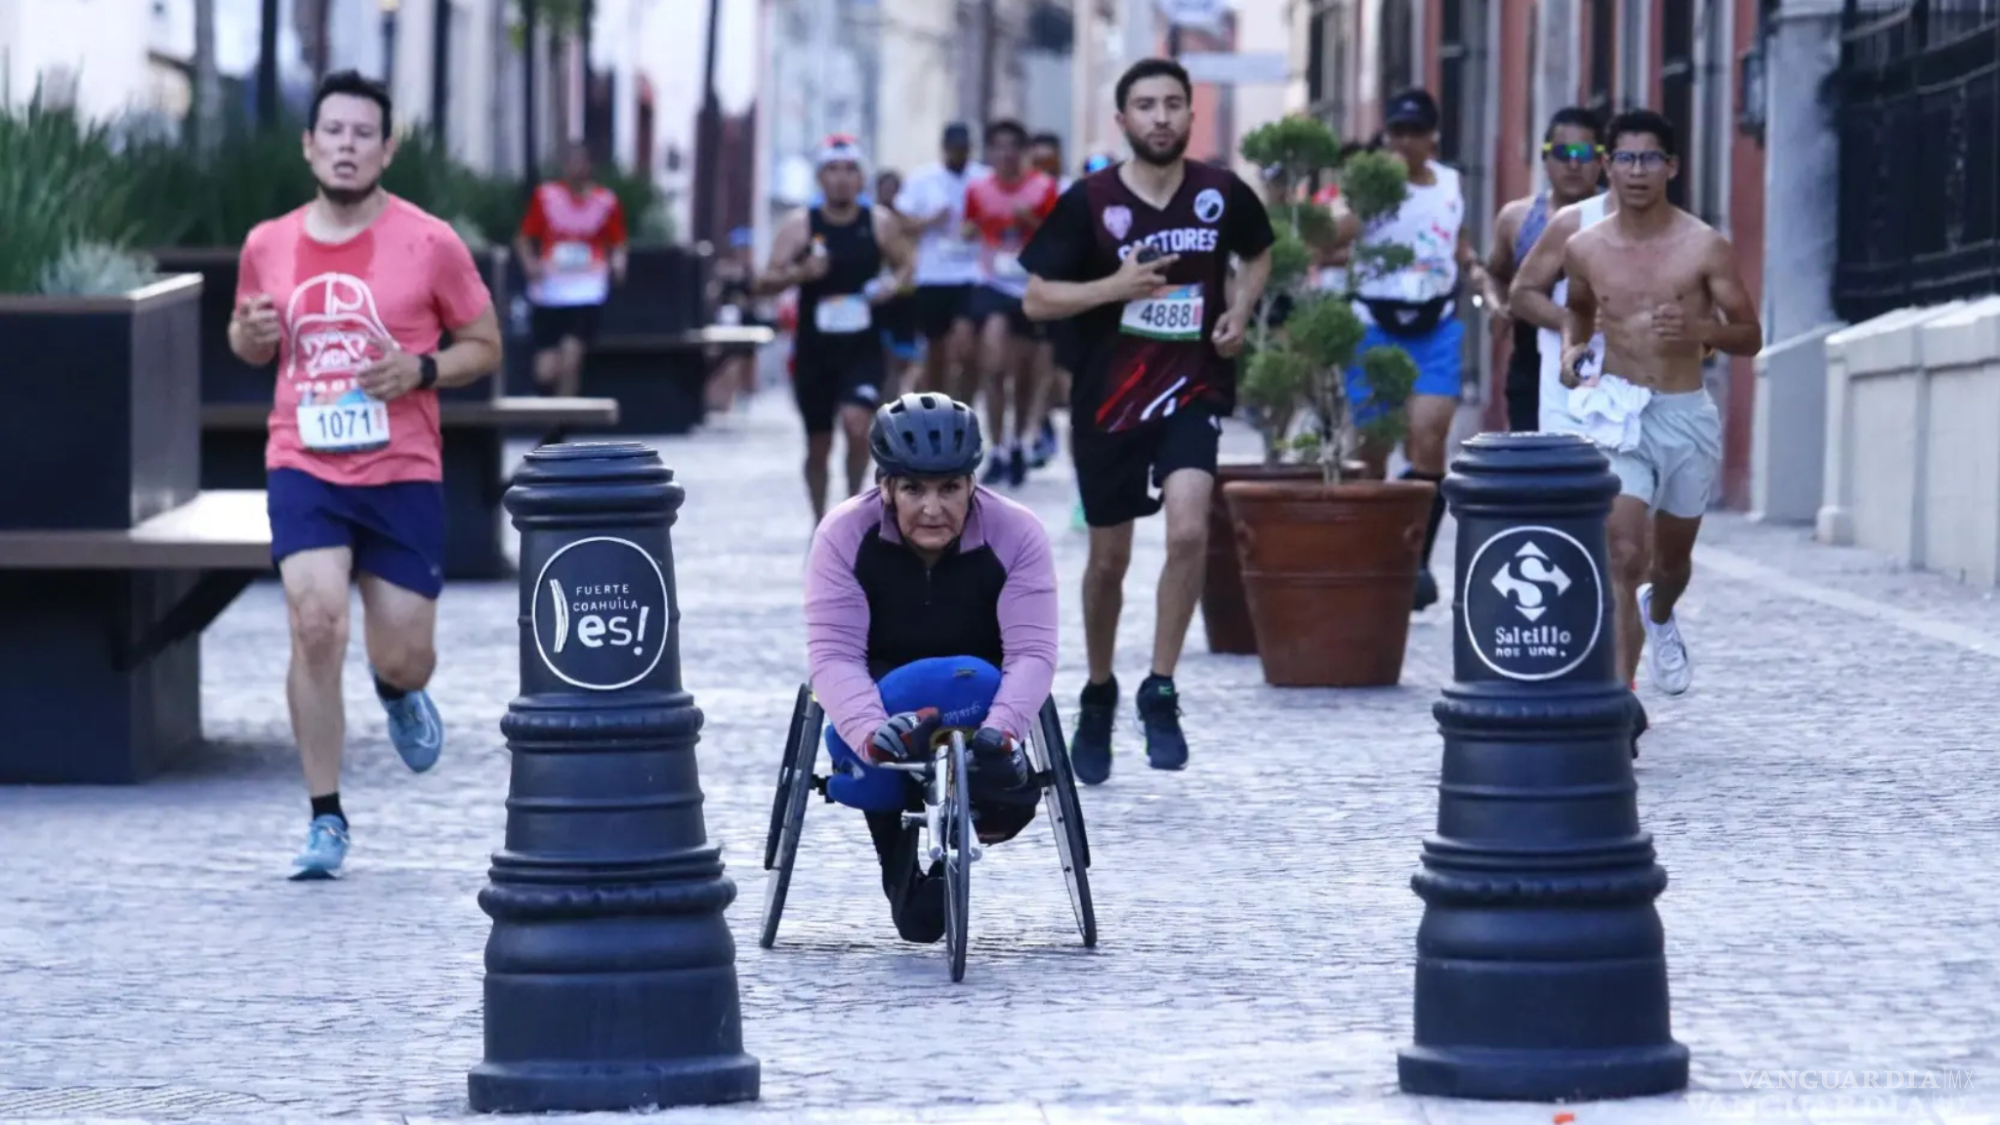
[(1541, 968), (610, 973)]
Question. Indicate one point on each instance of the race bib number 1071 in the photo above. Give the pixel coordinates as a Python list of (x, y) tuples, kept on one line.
[(1171, 313), (354, 424)]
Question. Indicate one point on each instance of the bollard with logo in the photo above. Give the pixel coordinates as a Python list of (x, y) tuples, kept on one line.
[(610, 973), (1541, 969)]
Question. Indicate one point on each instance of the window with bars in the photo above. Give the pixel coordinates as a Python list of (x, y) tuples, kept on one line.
[(1677, 101), (1603, 42), (1454, 58), (1399, 47)]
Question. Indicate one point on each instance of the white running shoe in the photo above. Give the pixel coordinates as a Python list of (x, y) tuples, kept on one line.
[(1666, 652)]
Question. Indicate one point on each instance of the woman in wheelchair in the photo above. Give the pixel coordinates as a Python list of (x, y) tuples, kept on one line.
[(930, 605)]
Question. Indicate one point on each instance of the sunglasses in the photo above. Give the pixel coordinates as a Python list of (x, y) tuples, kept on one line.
[(1571, 154), (1648, 160)]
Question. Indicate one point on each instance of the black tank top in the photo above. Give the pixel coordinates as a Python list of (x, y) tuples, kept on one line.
[(854, 259)]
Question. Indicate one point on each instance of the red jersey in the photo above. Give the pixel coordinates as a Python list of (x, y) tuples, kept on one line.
[(575, 234), (995, 208)]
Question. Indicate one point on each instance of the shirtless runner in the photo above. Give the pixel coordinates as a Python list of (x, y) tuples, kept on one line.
[(1663, 288)]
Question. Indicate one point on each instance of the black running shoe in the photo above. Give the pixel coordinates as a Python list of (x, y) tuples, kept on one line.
[(916, 901), (1639, 723), (1427, 590), (1017, 468), (1160, 715), (1090, 746), (996, 470)]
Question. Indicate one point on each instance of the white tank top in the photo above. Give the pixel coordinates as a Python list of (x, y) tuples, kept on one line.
[(1555, 415), (1428, 223)]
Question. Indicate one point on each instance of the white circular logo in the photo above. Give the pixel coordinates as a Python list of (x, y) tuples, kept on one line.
[(1534, 603), (1208, 205), (599, 613)]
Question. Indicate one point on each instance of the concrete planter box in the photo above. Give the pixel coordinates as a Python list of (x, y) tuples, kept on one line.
[(103, 428)]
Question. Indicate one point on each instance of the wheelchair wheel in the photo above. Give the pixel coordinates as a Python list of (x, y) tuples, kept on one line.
[(795, 783), (958, 857), (1066, 817), (793, 733)]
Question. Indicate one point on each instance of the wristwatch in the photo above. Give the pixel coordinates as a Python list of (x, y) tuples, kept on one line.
[(428, 364)]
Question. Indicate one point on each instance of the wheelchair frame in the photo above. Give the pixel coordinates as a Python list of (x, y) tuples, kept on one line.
[(946, 819)]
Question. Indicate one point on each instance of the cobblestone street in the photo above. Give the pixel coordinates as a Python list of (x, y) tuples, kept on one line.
[(1824, 801)]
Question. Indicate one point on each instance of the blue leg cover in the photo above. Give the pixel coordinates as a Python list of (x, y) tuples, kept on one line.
[(960, 687)]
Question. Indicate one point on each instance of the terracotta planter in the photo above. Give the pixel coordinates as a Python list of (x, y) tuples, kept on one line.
[(1225, 615), (1329, 573)]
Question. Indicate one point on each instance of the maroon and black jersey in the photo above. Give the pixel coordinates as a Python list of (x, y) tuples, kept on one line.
[(1138, 362)]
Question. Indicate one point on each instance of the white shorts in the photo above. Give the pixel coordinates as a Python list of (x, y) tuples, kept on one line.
[(1678, 460)]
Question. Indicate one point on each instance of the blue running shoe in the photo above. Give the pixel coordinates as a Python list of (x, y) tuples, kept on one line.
[(415, 729), (1090, 744), (1160, 714), (326, 848)]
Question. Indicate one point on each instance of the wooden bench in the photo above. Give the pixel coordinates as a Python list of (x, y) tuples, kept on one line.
[(100, 659), (661, 381), (475, 434)]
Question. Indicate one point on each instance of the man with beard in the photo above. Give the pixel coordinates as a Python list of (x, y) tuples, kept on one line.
[(1572, 157), (931, 204), (572, 248), (1139, 254), (350, 294), (834, 255)]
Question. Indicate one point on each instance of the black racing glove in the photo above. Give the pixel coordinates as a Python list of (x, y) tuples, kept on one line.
[(1002, 761), (904, 736)]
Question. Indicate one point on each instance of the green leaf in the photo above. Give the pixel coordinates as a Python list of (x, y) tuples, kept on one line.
[(1297, 145), (1374, 184), (1291, 258), (1325, 330)]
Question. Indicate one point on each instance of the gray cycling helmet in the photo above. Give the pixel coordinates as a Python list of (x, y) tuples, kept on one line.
[(925, 435)]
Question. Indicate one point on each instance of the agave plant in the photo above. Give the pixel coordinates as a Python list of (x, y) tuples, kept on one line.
[(96, 269), (1301, 362), (61, 184)]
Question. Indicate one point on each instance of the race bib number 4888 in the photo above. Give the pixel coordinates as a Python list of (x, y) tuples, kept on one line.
[(1171, 313)]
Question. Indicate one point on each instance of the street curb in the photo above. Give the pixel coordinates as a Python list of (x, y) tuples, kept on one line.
[(1691, 1108)]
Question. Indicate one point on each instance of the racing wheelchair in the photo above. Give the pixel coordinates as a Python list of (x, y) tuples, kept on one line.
[(946, 820)]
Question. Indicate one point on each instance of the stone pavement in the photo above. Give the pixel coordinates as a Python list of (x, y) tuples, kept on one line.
[(1823, 799)]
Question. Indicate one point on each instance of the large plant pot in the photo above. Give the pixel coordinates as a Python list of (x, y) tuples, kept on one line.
[(1329, 572), (1225, 614), (103, 424)]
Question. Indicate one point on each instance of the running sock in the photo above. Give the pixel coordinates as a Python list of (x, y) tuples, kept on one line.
[(329, 805), (388, 692), (1437, 512), (1103, 694)]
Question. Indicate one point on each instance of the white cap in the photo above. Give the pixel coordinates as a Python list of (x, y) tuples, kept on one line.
[(836, 149)]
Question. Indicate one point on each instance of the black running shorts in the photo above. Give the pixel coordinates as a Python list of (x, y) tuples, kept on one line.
[(1116, 474)]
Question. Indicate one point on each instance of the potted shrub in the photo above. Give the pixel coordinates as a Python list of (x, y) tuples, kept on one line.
[(1329, 563), (1289, 151), (105, 351)]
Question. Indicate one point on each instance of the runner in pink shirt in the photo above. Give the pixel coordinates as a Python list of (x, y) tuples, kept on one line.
[(350, 295), (1004, 210)]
